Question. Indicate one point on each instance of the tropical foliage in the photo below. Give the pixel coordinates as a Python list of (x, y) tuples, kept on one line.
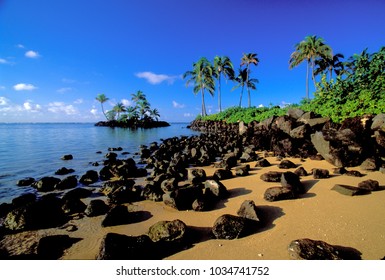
[(358, 90), (222, 67), (137, 114), (309, 50)]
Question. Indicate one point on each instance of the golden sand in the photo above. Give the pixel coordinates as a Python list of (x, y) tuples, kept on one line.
[(320, 214)]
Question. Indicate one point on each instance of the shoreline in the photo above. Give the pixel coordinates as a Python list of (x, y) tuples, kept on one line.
[(320, 214)]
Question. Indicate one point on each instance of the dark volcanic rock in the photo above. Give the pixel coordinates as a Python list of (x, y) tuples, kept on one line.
[(25, 182), (249, 211), (215, 189), (183, 197), (286, 164), (52, 247), (90, 177), (73, 206), (354, 173), (279, 193), (320, 173), (46, 184), (339, 170), (96, 207), (222, 174), (43, 213), (67, 157), (117, 215), (301, 172), (64, 171), (77, 193), (69, 182), (307, 249), (272, 176), (122, 247), (242, 170), (230, 227), (169, 231), (323, 147), (262, 163), (349, 190), (370, 185), (291, 180), (196, 175), (23, 200), (369, 164)]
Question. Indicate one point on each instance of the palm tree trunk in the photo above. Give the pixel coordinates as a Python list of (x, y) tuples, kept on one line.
[(307, 80), (103, 111), (203, 104), (247, 84), (219, 93), (312, 74), (240, 100)]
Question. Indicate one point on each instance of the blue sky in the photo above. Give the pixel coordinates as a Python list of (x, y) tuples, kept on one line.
[(56, 56)]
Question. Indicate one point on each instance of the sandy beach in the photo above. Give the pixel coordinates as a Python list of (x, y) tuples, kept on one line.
[(320, 214)]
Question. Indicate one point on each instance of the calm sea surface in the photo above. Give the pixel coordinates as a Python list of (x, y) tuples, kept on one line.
[(35, 150)]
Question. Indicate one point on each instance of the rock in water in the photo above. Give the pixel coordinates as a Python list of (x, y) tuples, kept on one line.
[(307, 249)]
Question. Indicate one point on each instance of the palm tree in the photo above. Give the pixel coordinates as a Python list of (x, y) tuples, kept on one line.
[(102, 98), (222, 66), (154, 113), (132, 112), (119, 108), (329, 64), (144, 107), (241, 80), (138, 96), (248, 59), (311, 48), (202, 76)]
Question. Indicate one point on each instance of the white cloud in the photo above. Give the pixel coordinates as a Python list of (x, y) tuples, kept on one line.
[(3, 101), (127, 102), (78, 101), (61, 107), (29, 106), (261, 106), (94, 111), (155, 79), (3, 61), (2, 87), (32, 54), (188, 115), (177, 105), (20, 46), (64, 90), (68, 81), (22, 86)]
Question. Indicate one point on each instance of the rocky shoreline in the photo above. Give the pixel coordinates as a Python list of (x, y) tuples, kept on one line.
[(174, 175)]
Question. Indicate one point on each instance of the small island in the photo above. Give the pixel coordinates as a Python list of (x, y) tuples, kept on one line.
[(138, 116)]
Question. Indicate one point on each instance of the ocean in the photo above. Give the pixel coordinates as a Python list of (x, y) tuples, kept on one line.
[(35, 149)]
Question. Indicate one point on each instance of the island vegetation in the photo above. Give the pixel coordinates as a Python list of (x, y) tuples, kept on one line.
[(140, 115), (343, 89)]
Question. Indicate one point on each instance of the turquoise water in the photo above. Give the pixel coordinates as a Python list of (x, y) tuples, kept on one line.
[(35, 150)]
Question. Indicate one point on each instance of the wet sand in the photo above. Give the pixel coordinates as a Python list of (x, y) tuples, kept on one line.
[(320, 214)]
